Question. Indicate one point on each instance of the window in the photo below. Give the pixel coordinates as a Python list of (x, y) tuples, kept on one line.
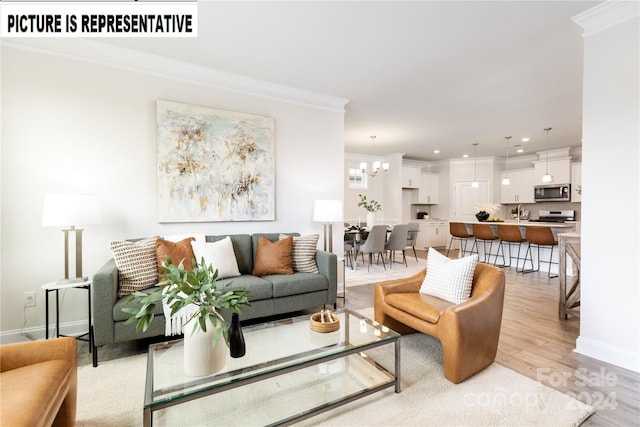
[(357, 179)]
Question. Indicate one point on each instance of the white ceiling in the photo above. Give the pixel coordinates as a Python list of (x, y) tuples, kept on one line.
[(419, 75)]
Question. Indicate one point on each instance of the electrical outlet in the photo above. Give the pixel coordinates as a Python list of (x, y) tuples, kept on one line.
[(29, 299)]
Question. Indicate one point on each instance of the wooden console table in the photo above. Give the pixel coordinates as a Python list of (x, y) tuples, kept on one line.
[(569, 243)]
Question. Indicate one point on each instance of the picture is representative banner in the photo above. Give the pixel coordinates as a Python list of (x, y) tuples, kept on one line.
[(99, 19)]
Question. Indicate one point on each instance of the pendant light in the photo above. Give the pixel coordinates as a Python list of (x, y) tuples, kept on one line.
[(506, 180), (475, 184), (547, 177), (376, 164)]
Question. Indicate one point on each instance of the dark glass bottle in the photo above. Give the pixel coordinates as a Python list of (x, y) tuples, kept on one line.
[(237, 347)]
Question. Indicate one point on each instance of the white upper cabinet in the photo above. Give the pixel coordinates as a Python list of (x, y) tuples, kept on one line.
[(576, 182), (429, 189), (411, 177), (559, 169), (520, 190)]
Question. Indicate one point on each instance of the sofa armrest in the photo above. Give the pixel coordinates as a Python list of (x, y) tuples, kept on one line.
[(409, 284), (405, 284), (476, 322), (13, 356), (26, 354), (328, 266), (105, 294)]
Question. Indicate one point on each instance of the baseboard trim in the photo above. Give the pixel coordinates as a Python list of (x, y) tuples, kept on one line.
[(75, 328), (608, 353)]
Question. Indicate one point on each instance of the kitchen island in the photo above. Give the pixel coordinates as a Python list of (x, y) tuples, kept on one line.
[(556, 227)]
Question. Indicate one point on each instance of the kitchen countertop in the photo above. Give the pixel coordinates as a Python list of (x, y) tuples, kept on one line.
[(524, 223)]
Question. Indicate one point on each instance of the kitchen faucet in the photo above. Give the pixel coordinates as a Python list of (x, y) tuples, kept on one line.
[(518, 219)]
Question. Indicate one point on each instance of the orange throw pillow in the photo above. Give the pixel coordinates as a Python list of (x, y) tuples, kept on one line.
[(178, 251), (273, 257)]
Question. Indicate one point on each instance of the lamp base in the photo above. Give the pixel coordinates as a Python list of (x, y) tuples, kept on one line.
[(72, 280)]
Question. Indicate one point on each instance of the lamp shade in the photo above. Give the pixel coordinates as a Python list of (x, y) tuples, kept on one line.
[(327, 211), (70, 210)]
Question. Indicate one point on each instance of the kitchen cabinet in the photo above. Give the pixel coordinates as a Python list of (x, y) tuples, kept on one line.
[(520, 190), (433, 233), (411, 177), (576, 182), (429, 189), (559, 169)]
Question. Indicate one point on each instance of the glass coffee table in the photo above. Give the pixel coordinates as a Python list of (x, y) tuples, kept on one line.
[(288, 374)]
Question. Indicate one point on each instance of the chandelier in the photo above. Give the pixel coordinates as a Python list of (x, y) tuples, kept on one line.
[(377, 165)]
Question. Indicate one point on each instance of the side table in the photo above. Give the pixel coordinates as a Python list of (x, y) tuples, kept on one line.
[(54, 286)]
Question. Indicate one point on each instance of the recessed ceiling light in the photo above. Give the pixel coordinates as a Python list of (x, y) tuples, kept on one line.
[(436, 151), (526, 139), (520, 150), (465, 156)]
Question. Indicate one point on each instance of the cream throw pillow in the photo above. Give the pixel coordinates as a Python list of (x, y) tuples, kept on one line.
[(449, 279), (219, 255)]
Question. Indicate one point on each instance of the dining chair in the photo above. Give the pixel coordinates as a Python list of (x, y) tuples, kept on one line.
[(350, 248), (412, 237), (397, 242), (375, 244)]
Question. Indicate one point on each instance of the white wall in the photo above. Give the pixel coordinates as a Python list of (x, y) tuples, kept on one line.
[(610, 310), (75, 126)]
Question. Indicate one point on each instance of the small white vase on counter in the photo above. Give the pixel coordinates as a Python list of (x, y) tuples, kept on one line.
[(200, 357)]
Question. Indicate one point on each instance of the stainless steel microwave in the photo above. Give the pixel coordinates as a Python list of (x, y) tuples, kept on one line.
[(552, 193)]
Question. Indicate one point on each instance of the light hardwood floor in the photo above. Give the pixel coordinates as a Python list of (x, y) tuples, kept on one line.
[(533, 342), (536, 343)]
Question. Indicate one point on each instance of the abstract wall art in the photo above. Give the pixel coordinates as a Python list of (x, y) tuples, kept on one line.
[(214, 165)]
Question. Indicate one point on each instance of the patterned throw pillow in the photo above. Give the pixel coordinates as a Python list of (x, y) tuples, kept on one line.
[(136, 263), (449, 279), (303, 253)]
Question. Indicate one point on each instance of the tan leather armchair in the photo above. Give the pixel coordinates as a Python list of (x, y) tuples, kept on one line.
[(39, 383), (469, 332)]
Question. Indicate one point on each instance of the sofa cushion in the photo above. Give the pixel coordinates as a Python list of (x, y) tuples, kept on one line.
[(137, 264), (449, 279), (220, 255), (258, 287), (273, 257), (298, 283), (303, 253), (177, 251), (32, 395), (422, 306), (121, 316)]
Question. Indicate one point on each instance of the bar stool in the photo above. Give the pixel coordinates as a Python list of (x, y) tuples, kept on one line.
[(483, 233), (458, 231), (539, 237), (510, 234)]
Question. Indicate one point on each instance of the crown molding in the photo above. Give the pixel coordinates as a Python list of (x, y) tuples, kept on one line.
[(606, 15), (129, 59)]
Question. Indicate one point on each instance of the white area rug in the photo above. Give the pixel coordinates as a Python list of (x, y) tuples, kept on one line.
[(112, 395), (377, 273)]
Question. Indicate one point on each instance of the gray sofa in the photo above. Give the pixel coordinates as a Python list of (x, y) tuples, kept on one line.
[(269, 295)]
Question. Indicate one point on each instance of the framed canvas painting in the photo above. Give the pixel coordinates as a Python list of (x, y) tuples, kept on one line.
[(214, 165)]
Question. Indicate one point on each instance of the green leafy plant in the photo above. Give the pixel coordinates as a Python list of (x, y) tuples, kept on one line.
[(370, 206), (181, 288)]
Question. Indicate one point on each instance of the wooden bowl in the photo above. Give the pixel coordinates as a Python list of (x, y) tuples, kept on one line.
[(318, 326)]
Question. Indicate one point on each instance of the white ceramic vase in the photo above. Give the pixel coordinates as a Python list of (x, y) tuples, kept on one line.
[(371, 219), (200, 357)]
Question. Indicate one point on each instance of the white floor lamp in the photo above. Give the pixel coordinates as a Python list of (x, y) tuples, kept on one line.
[(70, 210), (327, 212)]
